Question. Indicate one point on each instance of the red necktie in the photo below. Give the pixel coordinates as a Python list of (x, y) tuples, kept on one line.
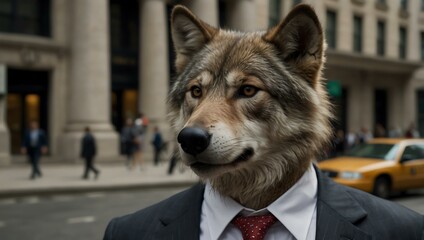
[(254, 227)]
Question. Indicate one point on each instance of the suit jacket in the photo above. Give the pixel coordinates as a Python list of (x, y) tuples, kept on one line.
[(41, 141), (342, 213), (157, 141), (88, 146)]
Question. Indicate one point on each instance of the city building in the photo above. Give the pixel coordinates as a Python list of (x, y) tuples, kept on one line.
[(374, 68), (71, 64)]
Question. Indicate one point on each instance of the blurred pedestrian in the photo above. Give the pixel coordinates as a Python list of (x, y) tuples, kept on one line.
[(34, 144), (412, 132), (340, 142), (380, 131), (395, 132), (364, 135), (157, 143), (140, 126), (88, 152), (128, 135), (337, 144), (174, 159), (351, 140)]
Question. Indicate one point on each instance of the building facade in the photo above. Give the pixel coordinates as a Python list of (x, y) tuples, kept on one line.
[(374, 55), (71, 64)]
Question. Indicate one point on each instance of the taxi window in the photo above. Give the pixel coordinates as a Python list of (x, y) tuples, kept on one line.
[(376, 150), (413, 152)]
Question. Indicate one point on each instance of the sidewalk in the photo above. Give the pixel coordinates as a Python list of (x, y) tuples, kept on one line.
[(66, 178)]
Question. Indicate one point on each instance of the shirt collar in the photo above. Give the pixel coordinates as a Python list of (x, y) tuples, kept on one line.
[(220, 210), (293, 209)]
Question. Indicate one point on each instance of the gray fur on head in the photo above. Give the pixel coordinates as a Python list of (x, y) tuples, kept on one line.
[(286, 123)]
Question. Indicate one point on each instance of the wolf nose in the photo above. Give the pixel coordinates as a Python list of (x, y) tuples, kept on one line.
[(194, 140)]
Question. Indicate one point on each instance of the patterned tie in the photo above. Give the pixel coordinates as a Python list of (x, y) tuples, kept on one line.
[(254, 227)]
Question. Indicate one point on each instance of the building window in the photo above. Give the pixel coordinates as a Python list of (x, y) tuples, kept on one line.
[(381, 35), (330, 30), (25, 17), (422, 5), (274, 12), (404, 5), (124, 25), (402, 42), (422, 46), (357, 34)]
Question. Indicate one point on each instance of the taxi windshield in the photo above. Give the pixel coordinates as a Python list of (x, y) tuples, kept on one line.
[(374, 150)]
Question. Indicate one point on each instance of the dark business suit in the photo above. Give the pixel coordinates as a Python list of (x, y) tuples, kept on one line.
[(88, 151), (33, 148), (342, 213)]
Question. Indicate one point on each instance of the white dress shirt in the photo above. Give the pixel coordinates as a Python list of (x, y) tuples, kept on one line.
[(34, 137), (295, 211)]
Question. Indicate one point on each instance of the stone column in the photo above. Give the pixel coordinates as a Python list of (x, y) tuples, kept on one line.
[(369, 28), (207, 10), (395, 106), (413, 35), (154, 66), (262, 14), (344, 27), (286, 7), (241, 15), (409, 91), (354, 108), (4, 131), (367, 102), (392, 29), (89, 85)]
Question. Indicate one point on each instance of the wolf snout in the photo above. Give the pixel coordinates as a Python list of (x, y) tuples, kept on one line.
[(194, 140)]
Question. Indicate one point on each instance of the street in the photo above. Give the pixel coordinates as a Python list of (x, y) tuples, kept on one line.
[(85, 215), (78, 216)]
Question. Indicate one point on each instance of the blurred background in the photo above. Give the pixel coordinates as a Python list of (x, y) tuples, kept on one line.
[(71, 64)]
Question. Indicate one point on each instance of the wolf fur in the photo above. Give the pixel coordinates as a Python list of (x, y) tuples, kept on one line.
[(261, 97)]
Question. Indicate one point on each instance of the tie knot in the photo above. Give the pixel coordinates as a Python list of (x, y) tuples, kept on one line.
[(254, 227)]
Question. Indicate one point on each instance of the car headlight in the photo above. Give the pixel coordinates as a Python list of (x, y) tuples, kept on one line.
[(350, 175)]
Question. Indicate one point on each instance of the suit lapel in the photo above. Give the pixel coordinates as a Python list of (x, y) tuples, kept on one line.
[(183, 221), (337, 212)]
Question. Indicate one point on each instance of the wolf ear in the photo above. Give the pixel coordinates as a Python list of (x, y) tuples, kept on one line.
[(299, 38), (189, 35)]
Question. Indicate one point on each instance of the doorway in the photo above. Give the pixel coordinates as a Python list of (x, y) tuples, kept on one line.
[(124, 105), (380, 107), (420, 111), (27, 100)]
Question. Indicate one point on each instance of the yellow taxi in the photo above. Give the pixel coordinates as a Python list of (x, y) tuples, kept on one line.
[(380, 166)]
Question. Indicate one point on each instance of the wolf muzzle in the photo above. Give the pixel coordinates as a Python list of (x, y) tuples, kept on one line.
[(194, 140)]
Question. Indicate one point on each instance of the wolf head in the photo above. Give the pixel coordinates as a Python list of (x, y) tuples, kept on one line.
[(249, 109)]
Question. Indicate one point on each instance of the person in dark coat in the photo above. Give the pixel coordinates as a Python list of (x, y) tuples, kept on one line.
[(128, 135), (88, 152), (174, 159), (34, 144), (157, 144)]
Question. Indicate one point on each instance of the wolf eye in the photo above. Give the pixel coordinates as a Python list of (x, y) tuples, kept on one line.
[(196, 92), (248, 91)]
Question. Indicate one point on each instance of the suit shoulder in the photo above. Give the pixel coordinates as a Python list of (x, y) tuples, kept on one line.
[(390, 216), (146, 221), (373, 203)]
